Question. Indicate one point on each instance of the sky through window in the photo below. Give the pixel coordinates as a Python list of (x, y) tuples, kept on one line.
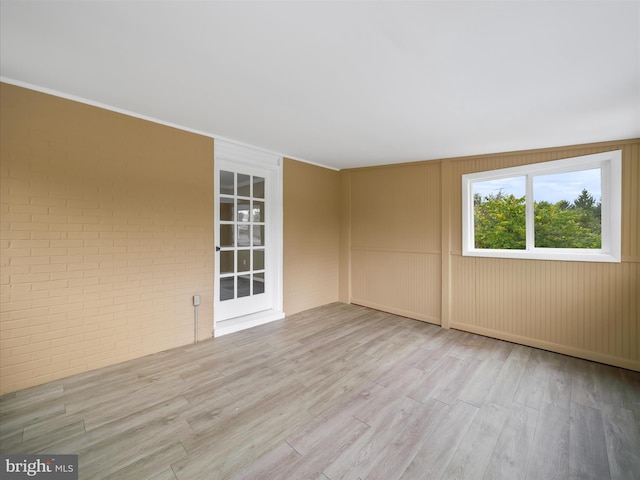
[(550, 188)]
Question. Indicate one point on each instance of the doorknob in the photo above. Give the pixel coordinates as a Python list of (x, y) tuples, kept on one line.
[(217, 248)]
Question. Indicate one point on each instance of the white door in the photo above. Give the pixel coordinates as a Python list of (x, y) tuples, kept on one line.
[(248, 242)]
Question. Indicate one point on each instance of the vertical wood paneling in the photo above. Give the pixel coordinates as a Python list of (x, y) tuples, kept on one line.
[(589, 308), (585, 309), (631, 202), (396, 239), (463, 290), (398, 282)]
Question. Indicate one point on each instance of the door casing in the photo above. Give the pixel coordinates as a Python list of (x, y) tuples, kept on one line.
[(235, 157)]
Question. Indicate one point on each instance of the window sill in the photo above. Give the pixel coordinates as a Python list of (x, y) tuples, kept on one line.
[(550, 254)]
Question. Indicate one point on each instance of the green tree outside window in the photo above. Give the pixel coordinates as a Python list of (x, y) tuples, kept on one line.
[(500, 222)]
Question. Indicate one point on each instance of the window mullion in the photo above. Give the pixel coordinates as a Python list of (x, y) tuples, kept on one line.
[(530, 214)]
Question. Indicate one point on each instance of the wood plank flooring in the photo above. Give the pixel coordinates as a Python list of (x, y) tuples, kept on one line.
[(338, 392)]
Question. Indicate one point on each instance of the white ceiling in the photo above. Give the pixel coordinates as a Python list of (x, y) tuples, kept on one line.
[(345, 84)]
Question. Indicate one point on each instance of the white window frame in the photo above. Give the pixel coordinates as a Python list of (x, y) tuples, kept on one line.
[(610, 164)]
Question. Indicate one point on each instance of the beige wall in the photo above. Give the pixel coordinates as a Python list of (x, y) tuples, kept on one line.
[(404, 248), (590, 310), (311, 235), (107, 233), (395, 239)]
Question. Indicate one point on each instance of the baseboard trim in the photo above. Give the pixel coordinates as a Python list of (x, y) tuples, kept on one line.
[(551, 346), (397, 311)]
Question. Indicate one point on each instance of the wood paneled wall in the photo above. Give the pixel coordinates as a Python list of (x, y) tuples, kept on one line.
[(590, 310), (107, 233), (395, 239), (405, 254)]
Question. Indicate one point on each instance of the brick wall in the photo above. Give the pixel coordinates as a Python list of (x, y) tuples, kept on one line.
[(106, 234)]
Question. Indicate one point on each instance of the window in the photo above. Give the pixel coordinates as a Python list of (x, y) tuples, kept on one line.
[(562, 210)]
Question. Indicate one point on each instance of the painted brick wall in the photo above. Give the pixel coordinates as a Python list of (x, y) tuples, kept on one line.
[(106, 234)]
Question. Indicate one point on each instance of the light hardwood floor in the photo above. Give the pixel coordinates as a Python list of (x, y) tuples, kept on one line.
[(338, 392)]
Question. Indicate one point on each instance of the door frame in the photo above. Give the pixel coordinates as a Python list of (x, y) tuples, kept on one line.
[(237, 155)]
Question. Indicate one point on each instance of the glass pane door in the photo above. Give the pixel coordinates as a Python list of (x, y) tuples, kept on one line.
[(248, 235), (241, 235)]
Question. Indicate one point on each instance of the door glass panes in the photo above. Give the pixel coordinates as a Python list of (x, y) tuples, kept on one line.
[(257, 213), (258, 283), (567, 209), (227, 261), (258, 259), (244, 185), (258, 235), (244, 206), (244, 285), (241, 235), (258, 187), (499, 208), (226, 237), (226, 209), (244, 260), (227, 183), (227, 288), (244, 235)]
